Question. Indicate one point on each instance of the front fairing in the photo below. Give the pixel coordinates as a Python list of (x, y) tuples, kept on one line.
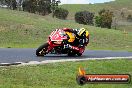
[(58, 36)]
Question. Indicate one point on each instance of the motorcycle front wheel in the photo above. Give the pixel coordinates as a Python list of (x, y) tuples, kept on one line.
[(42, 50)]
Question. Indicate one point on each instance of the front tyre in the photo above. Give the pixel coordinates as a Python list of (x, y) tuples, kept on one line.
[(42, 50), (81, 51)]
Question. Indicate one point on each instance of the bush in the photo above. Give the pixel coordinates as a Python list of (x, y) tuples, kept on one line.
[(104, 19), (98, 21), (84, 17), (61, 13), (129, 18)]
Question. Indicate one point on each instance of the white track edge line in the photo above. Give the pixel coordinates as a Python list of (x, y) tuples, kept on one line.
[(67, 60), (62, 60)]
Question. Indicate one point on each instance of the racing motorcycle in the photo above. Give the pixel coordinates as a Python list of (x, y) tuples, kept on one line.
[(55, 44)]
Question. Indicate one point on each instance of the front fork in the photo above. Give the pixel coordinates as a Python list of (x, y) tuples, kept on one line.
[(81, 50), (50, 47)]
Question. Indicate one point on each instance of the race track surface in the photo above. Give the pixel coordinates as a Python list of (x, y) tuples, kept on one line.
[(11, 55)]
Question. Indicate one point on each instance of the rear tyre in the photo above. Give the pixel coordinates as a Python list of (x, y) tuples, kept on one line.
[(42, 50), (79, 54), (71, 53)]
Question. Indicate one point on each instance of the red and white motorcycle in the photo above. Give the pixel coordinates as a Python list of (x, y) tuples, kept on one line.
[(55, 45)]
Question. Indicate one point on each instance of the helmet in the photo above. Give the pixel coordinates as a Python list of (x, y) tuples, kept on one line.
[(81, 31)]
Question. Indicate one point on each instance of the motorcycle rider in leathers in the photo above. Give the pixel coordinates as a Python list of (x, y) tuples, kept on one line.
[(82, 38)]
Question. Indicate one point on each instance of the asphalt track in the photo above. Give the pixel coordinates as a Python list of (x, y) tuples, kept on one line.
[(25, 55)]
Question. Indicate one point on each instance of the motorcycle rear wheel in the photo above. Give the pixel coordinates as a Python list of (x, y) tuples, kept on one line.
[(71, 53), (79, 54), (41, 51)]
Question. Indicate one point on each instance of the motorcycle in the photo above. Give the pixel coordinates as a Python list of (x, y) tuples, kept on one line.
[(55, 44)]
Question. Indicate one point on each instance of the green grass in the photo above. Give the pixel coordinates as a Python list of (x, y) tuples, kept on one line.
[(25, 30), (62, 75)]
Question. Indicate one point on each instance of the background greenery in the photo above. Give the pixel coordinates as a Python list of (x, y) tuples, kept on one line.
[(24, 30), (116, 6)]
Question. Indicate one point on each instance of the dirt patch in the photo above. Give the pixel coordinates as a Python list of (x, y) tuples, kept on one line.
[(27, 26), (22, 26), (2, 28)]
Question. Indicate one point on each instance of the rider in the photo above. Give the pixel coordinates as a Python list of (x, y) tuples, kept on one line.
[(82, 37)]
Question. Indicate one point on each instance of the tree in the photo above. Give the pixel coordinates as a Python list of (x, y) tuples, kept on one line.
[(104, 19), (12, 4), (2, 2), (98, 21), (44, 7), (54, 6), (61, 13), (129, 18), (84, 17), (8, 3)]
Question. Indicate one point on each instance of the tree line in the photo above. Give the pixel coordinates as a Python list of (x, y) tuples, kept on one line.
[(33, 6), (45, 7), (41, 7)]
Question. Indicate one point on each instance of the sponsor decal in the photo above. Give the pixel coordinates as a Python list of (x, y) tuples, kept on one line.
[(83, 78)]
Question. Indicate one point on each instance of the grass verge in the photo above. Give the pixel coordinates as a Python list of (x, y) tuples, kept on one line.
[(62, 75)]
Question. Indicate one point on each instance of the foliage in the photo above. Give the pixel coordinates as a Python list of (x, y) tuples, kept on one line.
[(12, 4), (29, 5), (98, 21), (42, 7), (104, 19), (61, 13), (129, 17), (84, 17), (54, 6), (37, 6)]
